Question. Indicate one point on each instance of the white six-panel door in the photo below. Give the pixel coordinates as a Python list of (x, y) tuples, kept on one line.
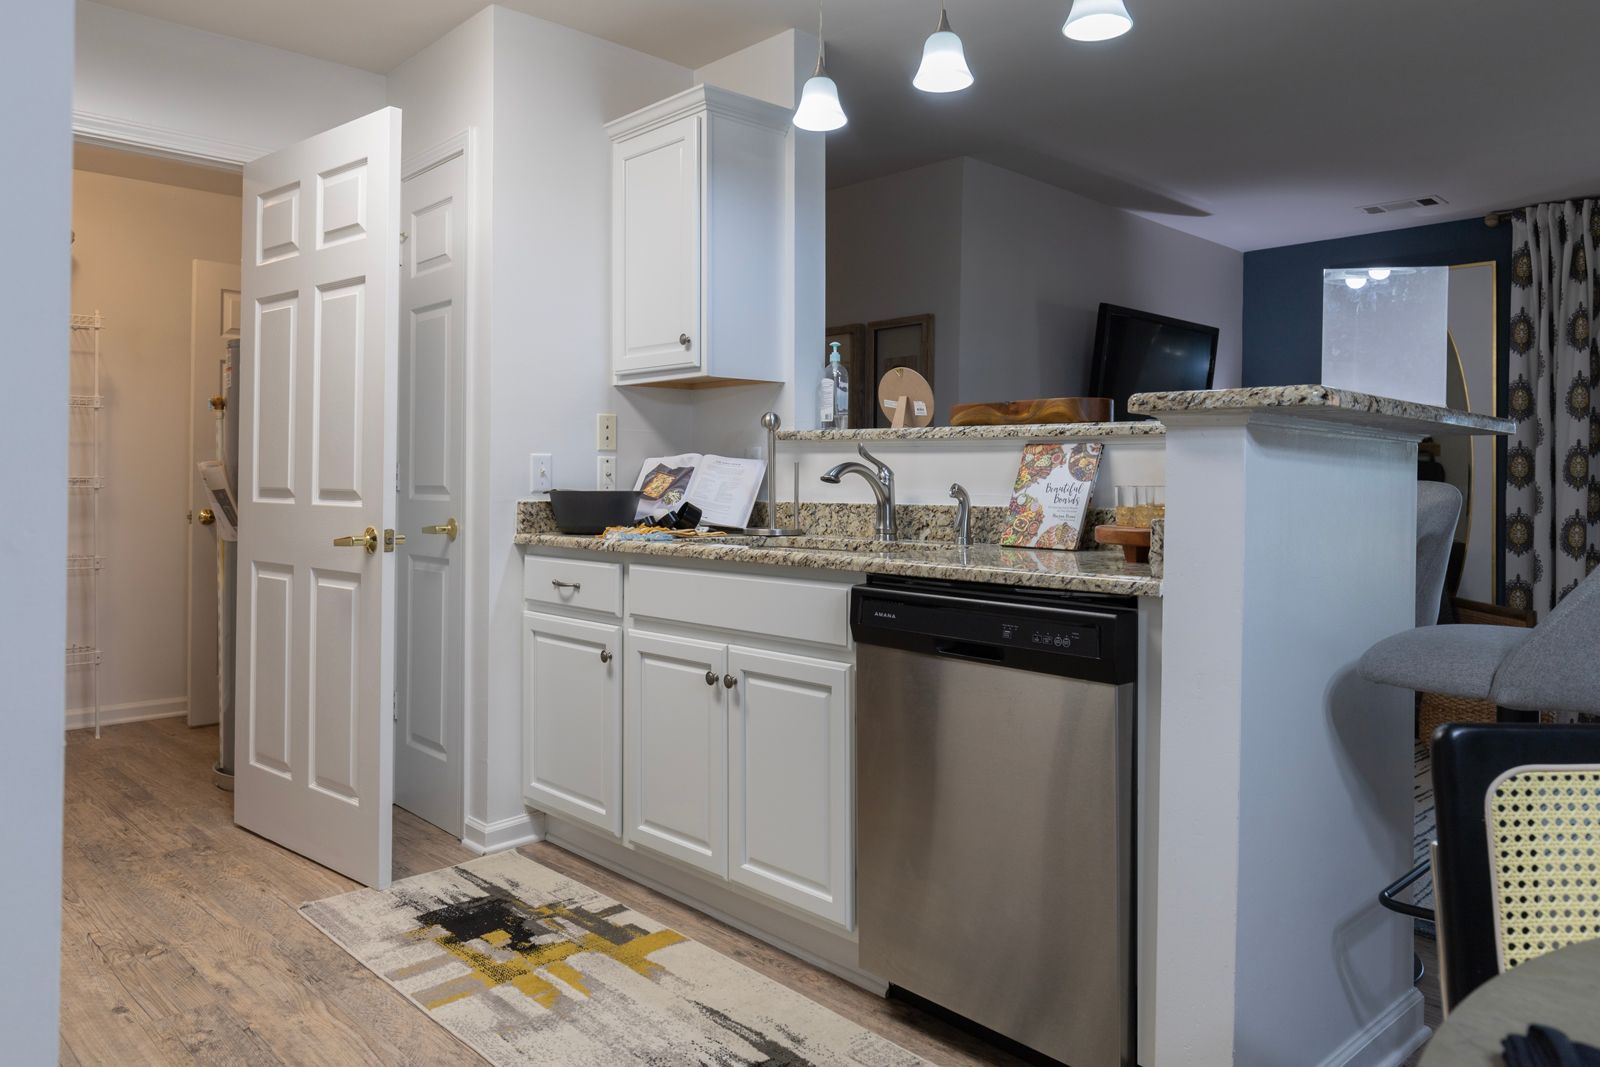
[(314, 747), (429, 711)]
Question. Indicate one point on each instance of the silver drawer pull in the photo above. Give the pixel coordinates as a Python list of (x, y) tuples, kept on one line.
[(711, 677), (605, 654), (559, 584)]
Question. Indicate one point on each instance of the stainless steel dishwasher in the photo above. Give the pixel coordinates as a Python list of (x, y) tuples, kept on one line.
[(994, 785)]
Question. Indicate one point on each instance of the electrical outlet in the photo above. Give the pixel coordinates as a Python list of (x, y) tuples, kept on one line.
[(605, 472), (541, 472), (605, 433)]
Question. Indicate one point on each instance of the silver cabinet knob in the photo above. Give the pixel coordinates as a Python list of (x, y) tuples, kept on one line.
[(683, 339), (711, 677), (605, 655), (729, 681)]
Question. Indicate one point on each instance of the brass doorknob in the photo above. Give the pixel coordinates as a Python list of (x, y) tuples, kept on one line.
[(367, 540), (450, 528), (207, 516), (390, 539)]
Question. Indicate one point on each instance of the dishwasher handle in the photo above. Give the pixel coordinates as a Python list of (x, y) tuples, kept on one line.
[(970, 651)]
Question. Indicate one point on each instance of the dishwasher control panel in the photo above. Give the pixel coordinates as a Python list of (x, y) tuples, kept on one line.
[(1058, 635)]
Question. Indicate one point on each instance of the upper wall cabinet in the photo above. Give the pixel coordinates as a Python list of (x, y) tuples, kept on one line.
[(698, 241)]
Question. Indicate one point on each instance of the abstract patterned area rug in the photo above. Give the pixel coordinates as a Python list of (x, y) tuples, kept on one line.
[(526, 966)]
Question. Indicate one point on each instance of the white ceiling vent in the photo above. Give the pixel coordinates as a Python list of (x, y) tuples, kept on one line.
[(1403, 205)]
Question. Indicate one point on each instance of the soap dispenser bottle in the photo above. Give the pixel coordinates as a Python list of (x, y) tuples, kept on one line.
[(834, 393)]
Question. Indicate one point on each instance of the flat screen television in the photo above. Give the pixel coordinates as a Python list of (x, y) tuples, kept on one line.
[(1138, 352)]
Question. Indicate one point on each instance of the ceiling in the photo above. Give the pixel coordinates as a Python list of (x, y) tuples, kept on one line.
[(1253, 123)]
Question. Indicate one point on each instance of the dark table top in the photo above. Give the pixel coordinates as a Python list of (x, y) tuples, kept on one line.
[(1561, 990)]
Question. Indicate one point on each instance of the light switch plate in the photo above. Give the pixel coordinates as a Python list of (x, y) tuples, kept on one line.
[(605, 472), (605, 433), (541, 473)]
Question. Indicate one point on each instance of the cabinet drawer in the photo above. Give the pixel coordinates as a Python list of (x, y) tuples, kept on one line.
[(781, 607), (573, 583)]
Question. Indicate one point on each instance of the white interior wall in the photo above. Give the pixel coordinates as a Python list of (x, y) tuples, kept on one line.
[(894, 249), (1014, 272), (36, 84), (550, 345), (136, 242), (217, 96)]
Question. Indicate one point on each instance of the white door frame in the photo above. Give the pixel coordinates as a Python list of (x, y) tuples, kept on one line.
[(463, 144), (110, 132)]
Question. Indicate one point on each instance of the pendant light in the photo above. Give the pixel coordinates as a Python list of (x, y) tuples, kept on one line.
[(819, 109), (1097, 20), (944, 64)]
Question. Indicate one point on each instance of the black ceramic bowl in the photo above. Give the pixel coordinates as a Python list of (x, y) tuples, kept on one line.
[(590, 511)]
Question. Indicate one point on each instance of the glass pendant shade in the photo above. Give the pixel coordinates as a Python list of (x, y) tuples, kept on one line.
[(1097, 20), (944, 64), (819, 109)]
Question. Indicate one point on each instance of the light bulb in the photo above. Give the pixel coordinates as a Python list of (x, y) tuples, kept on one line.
[(1379, 274), (944, 64), (1097, 20), (1355, 281), (819, 109)]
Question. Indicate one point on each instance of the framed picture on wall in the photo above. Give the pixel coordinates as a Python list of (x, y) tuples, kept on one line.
[(853, 350)]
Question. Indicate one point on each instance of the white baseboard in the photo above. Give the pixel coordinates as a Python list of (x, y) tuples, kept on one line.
[(486, 837), (1386, 1041), (137, 711)]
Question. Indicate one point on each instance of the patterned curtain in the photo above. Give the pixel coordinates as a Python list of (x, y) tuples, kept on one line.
[(1552, 534)]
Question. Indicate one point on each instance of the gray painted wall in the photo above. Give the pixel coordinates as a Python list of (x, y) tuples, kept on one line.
[(36, 83)]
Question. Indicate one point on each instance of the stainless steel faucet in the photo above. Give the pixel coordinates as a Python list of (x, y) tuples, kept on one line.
[(963, 514), (881, 479)]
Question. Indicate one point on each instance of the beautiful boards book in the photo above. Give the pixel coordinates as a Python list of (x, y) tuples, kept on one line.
[(1051, 495)]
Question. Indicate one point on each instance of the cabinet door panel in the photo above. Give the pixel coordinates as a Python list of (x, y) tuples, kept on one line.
[(656, 249), (676, 750), (789, 780), (572, 719)]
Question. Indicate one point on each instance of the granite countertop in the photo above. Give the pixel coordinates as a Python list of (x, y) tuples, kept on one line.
[(1052, 431), (1320, 403), (1091, 571)]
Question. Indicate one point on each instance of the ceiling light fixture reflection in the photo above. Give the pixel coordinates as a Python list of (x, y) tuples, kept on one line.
[(944, 64), (1355, 281), (1097, 20), (819, 110), (1379, 274)]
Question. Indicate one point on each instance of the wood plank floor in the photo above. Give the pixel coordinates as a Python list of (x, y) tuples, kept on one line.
[(181, 942)]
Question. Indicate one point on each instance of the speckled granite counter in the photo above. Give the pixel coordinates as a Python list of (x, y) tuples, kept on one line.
[(1319, 403), (1053, 431), (843, 548)]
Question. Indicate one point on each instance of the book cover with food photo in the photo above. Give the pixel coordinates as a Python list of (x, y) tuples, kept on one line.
[(1051, 496)]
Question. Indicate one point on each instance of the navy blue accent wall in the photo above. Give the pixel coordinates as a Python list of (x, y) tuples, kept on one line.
[(1283, 306), (1283, 289)]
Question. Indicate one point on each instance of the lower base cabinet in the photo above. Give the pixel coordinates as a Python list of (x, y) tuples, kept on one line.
[(789, 774), (676, 746), (733, 758), (572, 718)]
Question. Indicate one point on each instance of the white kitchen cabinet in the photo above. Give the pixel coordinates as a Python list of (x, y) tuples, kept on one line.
[(698, 240), (789, 780), (676, 738), (572, 718)]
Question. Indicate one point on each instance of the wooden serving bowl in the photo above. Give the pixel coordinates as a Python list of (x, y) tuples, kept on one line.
[(1025, 412)]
